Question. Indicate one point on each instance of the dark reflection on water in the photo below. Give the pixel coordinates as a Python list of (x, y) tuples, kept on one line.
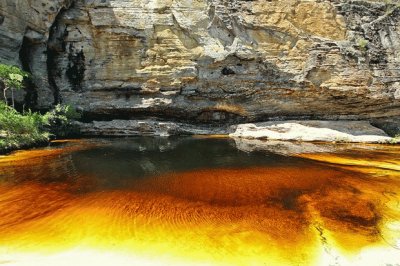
[(203, 199), (121, 159)]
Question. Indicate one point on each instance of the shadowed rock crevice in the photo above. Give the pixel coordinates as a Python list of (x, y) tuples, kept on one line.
[(55, 46), (24, 36), (25, 53), (217, 61), (76, 68)]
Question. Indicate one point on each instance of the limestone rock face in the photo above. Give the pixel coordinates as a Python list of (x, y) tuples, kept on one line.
[(123, 128), (210, 61), (24, 32), (251, 134)]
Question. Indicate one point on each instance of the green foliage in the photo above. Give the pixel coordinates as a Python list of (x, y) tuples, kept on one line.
[(362, 44), (23, 130), (12, 76), (60, 120), (28, 129), (18, 131)]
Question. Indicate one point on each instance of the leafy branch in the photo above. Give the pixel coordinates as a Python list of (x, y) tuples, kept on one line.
[(11, 77)]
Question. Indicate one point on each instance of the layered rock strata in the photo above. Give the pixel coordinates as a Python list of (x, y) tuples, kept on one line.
[(24, 33), (311, 131), (210, 61)]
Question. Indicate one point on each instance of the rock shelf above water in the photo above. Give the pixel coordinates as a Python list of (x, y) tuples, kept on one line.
[(310, 131), (210, 61), (327, 131)]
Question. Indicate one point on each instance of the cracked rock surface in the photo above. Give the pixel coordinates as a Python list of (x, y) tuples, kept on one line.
[(210, 61)]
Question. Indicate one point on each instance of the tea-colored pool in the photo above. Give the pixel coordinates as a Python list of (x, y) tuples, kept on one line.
[(200, 201)]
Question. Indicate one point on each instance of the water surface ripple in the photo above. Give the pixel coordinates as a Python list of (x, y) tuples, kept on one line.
[(200, 201)]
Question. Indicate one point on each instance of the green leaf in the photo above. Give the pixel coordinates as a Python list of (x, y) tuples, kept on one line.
[(16, 77)]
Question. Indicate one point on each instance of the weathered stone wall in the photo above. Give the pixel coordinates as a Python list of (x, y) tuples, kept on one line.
[(24, 32), (212, 60)]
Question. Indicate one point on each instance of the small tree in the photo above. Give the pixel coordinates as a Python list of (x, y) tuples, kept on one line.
[(12, 78)]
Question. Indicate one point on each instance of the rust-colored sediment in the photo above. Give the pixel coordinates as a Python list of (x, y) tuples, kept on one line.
[(252, 216)]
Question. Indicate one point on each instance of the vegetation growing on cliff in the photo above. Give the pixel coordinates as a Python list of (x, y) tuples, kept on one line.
[(20, 130), (30, 129), (59, 121), (17, 130), (27, 129), (11, 78)]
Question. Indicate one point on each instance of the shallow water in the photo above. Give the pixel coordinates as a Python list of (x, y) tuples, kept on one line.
[(200, 201)]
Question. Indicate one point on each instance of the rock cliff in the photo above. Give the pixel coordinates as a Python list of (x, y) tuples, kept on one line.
[(210, 61)]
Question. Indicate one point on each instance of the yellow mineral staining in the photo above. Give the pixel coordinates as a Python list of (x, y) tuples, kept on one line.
[(290, 215), (298, 18), (229, 108)]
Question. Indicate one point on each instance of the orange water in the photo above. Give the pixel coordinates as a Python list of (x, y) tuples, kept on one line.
[(331, 208)]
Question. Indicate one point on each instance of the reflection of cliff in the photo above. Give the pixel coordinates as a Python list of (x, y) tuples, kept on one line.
[(121, 161), (212, 60), (289, 211), (42, 169), (45, 166)]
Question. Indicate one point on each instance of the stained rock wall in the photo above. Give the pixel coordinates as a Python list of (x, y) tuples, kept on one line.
[(210, 61), (24, 32)]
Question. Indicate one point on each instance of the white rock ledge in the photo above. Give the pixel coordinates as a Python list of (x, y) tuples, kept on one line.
[(313, 131), (325, 131)]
